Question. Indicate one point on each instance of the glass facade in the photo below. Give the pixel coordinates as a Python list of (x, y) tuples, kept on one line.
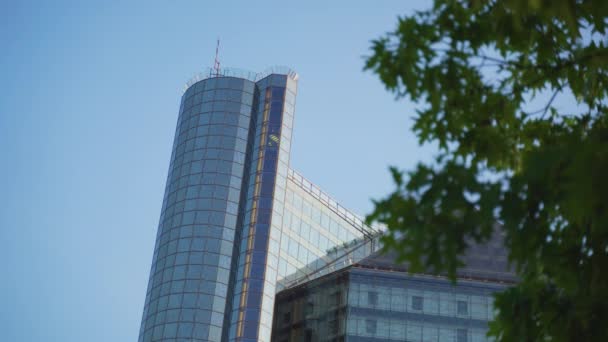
[(315, 227), (189, 281), (383, 306), (369, 304), (258, 255), (236, 223), (238, 226), (314, 311)]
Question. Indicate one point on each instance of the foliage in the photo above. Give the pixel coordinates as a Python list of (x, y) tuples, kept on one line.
[(477, 70)]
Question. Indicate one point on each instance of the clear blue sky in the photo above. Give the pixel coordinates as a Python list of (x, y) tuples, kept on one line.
[(88, 106)]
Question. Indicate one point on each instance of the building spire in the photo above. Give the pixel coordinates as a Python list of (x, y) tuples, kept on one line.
[(216, 64)]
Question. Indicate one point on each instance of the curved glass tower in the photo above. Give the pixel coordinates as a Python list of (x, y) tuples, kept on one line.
[(236, 223)]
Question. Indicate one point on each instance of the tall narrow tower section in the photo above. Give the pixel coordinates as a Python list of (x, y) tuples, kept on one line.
[(214, 267)]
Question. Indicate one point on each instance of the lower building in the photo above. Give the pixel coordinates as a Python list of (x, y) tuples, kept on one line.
[(375, 299)]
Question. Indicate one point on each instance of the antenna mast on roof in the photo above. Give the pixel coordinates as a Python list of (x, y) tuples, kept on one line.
[(216, 64)]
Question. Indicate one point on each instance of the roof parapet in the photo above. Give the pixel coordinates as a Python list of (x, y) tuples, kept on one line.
[(240, 73)]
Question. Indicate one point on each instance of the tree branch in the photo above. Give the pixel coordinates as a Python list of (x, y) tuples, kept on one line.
[(545, 109)]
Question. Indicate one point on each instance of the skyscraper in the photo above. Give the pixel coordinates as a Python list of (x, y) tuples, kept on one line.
[(236, 223), (238, 228)]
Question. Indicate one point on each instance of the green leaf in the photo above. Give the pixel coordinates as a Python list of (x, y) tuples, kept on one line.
[(477, 71)]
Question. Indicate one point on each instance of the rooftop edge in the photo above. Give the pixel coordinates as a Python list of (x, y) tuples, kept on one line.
[(241, 73)]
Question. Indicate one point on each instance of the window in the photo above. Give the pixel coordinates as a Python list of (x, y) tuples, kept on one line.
[(308, 335), (372, 298), (370, 326), (462, 307), (337, 298), (461, 335), (310, 308), (333, 326), (417, 303), (287, 318)]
